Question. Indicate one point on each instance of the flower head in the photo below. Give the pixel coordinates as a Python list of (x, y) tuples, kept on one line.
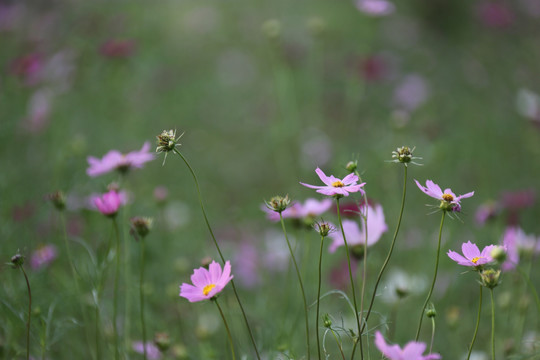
[(108, 203), (206, 283), (376, 226), (449, 200), (278, 203), (472, 255), (336, 187), (152, 351), (412, 351), (404, 155), (43, 256), (115, 160)]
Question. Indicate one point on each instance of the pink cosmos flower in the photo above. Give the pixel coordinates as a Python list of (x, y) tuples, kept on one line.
[(447, 196), (108, 203), (114, 160), (375, 7), (152, 351), (335, 186), (412, 351), (206, 283), (473, 256), (43, 256), (376, 226), (517, 241)]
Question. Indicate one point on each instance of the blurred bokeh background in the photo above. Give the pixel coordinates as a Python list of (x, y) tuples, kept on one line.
[(265, 92)]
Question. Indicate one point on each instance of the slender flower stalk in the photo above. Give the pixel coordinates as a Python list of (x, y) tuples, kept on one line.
[(115, 296), (432, 334), (172, 147), (350, 275), (387, 260), (492, 325), (141, 296), (300, 282), (17, 261), (531, 286), (226, 328), (338, 343), (324, 229), (434, 277), (477, 323)]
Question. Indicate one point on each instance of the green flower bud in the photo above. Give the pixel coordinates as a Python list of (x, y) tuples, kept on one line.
[(490, 278), (278, 203)]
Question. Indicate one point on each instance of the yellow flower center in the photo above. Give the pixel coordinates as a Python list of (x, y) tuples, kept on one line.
[(338, 184), (475, 259), (447, 197), (207, 289)]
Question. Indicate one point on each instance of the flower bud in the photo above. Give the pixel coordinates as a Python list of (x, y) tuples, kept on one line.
[(58, 199), (351, 166), (324, 228), (17, 260), (327, 322), (162, 341), (401, 292), (357, 251), (167, 141), (498, 254), (141, 225), (430, 311), (490, 278), (404, 155), (278, 203)]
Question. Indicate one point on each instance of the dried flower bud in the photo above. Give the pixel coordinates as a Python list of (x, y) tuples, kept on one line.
[(278, 203), (167, 141), (404, 155), (141, 225), (162, 341), (351, 166), (58, 199), (17, 260), (490, 278)]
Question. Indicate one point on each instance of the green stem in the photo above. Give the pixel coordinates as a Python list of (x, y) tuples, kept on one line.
[(219, 250), (98, 327), (115, 296), (338, 344), (477, 324), (29, 313), (127, 279), (319, 300), (533, 289), (387, 260), (434, 277), (141, 296), (300, 281), (76, 282), (492, 326), (226, 327), (350, 277), (432, 333)]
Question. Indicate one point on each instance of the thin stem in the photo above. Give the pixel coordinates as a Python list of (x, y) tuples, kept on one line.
[(364, 275), (219, 250), (387, 260), (350, 276), (300, 281), (141, 296), (319, 299), (533, 289), (29, 313), (492, 326), (477, 323), (338, 344), (115, 296), (127, 281), (98, 327), (226, 327), (432, 333), (434, 277)]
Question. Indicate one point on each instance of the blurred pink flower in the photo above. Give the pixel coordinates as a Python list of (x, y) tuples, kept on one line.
[(152, 351), (517, 200), (247, 264), (375, 7), (339, 274), (108, 203), (43, 256), (447, 196), (335, 186), (28, 68), (517, 243), (376, 226), (161, 193), (472, 255), (206, 283), (412, 350), (116, 48), (411, 92), (39, 110), (114, 160), (495, 14), (310, 208), (486, 212), (374, 68)]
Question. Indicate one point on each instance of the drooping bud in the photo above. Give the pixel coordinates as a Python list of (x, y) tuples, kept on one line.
[(141, 225), (490, 278), (58, 199), (162, 341), (278, 203), (352, 166)]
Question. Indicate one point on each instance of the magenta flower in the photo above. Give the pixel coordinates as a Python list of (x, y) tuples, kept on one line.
[(376, 226), (335, 186), (375, 7), (206, 283), (449, 200), (43, 256), (472, 255), (108, 203), (115, 160), (152, 351), (412, 351), (517, 242)]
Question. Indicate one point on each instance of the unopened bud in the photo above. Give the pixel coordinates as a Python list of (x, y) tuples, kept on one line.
[(327, 322), (324, 228), (141, 225), (498, 254), (351, 166), (278, 203), (17, 260), (490, 278), (430, 311), (162, 341), (58, 199)]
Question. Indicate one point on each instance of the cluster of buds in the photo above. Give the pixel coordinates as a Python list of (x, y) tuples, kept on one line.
[(58, 199), (404, 155), (141, 225), (278, 203)]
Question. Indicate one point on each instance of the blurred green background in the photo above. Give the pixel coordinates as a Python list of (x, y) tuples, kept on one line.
[(265, 92)]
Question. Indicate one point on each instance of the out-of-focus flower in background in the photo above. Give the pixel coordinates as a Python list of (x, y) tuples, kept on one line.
[(375, 7), (152, 351), (118, 48), (43, 256), (518, 244), (115, 160), (495, 14)]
